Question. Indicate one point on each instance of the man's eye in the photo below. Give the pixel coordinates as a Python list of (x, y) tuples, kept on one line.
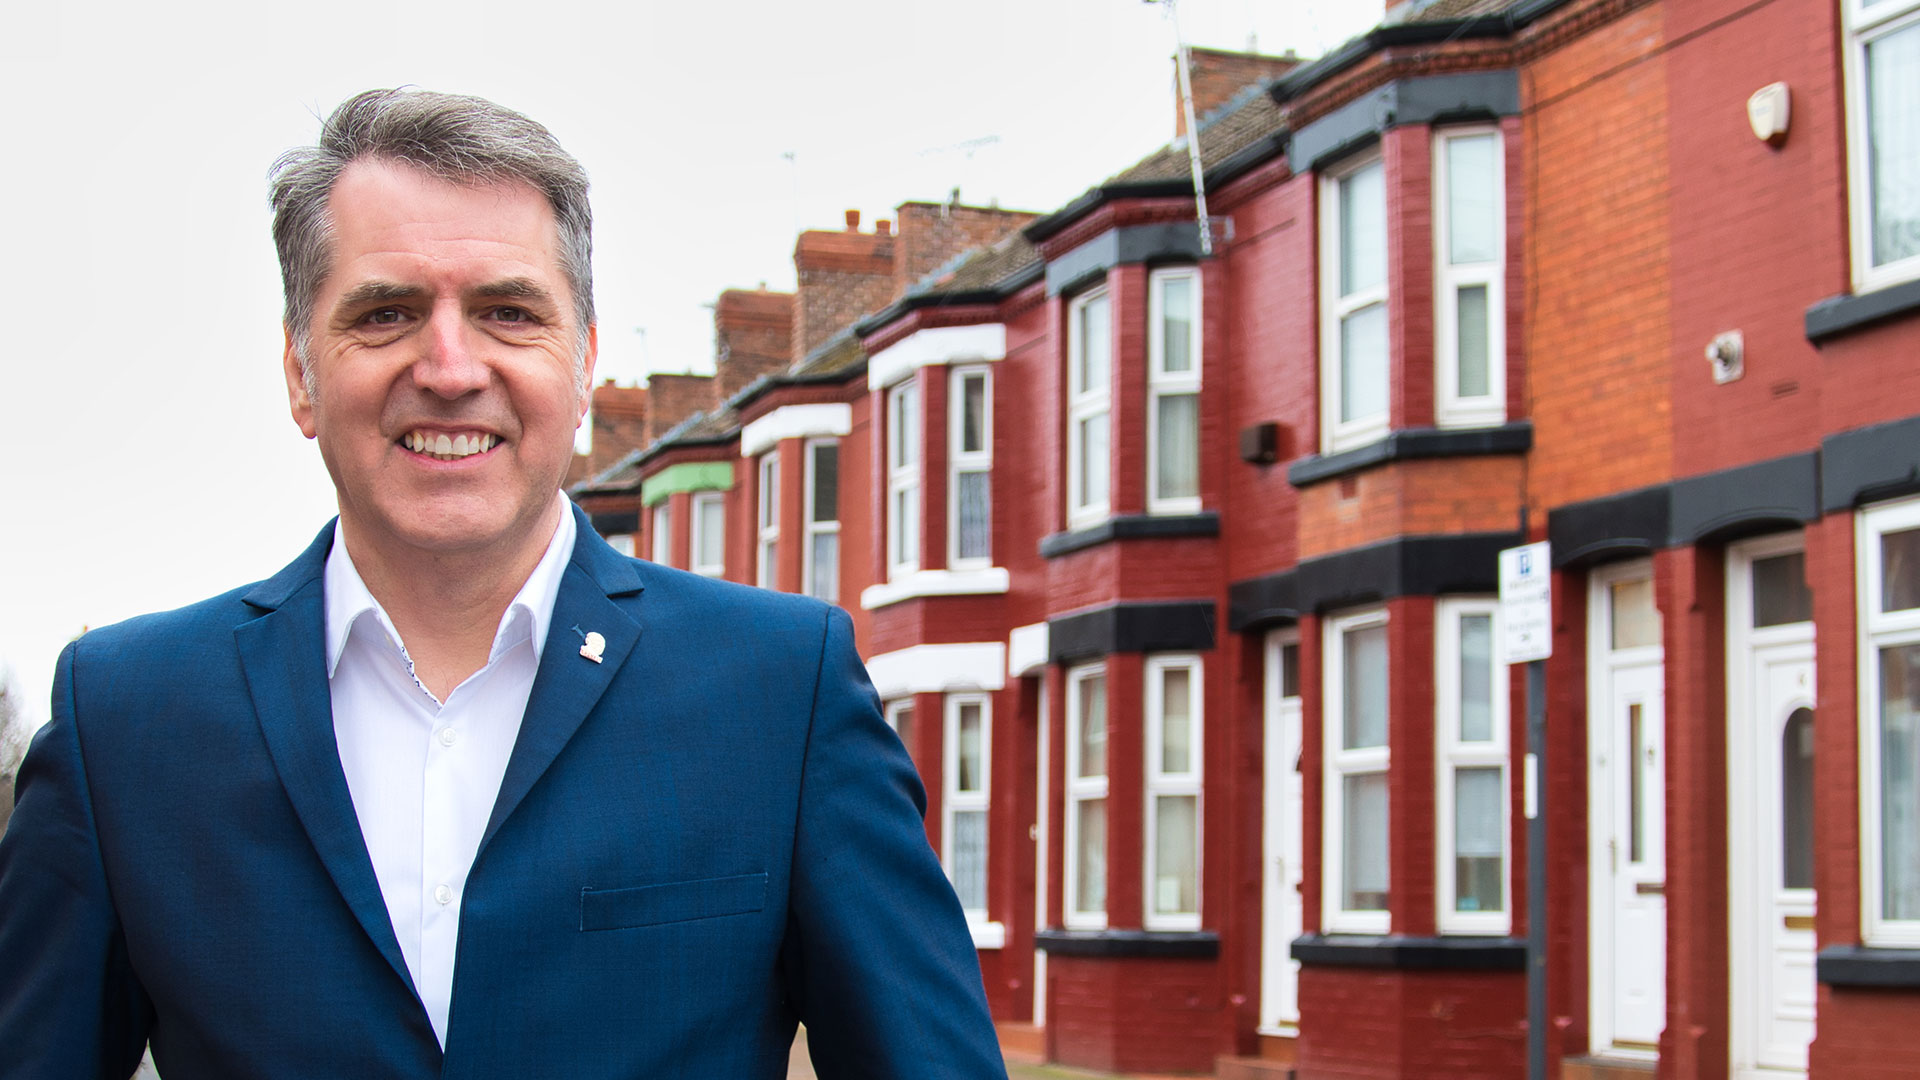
[(383, 317), (512, 315)]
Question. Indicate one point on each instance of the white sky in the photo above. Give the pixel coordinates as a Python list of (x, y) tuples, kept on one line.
[(146, 456)]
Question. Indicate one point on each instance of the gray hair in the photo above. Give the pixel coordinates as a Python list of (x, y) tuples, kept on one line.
[(453, 137)]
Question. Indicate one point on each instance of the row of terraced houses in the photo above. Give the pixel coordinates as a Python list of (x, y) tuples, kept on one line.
[(1173, 559)]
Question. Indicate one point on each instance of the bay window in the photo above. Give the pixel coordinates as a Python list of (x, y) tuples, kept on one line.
[(1089, 406), (1174, 766), (1469, 204), (1888, 559), (1086, 825), (1353, 305), (1173, 392), (1356, 840)]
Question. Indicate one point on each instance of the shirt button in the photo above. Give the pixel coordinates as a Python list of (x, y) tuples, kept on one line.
[(447, 737), (443, 895)]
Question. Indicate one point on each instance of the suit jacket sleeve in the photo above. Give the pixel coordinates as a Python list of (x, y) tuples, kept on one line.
[(879, 963), (69, 1004)]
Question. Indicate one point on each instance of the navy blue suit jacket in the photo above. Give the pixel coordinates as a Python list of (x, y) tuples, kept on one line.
[(697, 842)]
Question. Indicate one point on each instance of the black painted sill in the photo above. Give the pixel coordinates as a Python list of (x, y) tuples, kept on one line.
[(1839, 315), (1130, 527), (1411, 953), (1860, 965), (1195, 944), (1409, 444)]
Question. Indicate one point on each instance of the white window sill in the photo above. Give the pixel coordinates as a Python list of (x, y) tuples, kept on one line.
[(988, 935), (993, 579)]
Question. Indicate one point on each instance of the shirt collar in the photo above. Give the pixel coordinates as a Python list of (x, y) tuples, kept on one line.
[(348, 600)]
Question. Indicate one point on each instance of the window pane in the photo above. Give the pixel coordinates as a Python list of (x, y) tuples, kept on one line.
[(1476, 678), (1177, 473), (1093, 726), (1473, 230), (969, 858), (906, 532), (1095, 326), (1471, 343), (826, 482), (1796, 800), (1094, 471), (825, 582), (1363, 863), (906, 428), (1363, 230), (1364, 681), (1636, 785), (769, 491), (1893, 144), (1900, 570), (1780, 593), (1176, 720), (1363, 363), (1090, 861), (713, 532), (1290, 671), (663, 534), (969, 769), (1635, 621), (976, 509), (1900, 782), (1477, 839), (1176, 856), (901, 721), (973, 414), (1176, 324)]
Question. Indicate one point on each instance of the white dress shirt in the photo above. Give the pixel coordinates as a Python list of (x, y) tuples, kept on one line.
[(424, 773)]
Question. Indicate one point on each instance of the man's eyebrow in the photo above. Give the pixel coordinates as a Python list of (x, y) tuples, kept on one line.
[(513, 289), (374, 292)]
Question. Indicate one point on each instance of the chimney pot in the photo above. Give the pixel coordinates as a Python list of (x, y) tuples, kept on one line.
[(883, 227), (853, 221)]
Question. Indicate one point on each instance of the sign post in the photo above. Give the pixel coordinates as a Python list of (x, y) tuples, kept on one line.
[(1526, 637)]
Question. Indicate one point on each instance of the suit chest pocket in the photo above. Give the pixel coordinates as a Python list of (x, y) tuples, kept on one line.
[(678, 901)]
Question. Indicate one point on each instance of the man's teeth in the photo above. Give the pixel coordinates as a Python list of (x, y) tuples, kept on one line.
[(450, 448)]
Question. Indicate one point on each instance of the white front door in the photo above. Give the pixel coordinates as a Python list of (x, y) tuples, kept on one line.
[(1626, 760), (1283, 802), (1770, 700)]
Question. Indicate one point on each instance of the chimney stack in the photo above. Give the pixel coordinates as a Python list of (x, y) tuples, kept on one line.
[(853, 221)]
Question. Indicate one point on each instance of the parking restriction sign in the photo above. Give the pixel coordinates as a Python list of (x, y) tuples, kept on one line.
[(1526, 603)]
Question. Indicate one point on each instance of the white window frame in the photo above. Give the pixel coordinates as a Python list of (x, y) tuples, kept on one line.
[(1451, 753), (767, 499), (961, 461), (1162, 383), (815, 529), (892, 710), (697, 532), (621, 542), (954, 801), (1182, 784), (1340, 764), (1085, 403), (1877, 631), (1081, 789), (662, 536), (1335, 434), (903, 437), (1864, 23), (1451, 409)]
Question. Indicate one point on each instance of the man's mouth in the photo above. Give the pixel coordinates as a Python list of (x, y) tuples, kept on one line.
[(444, 447)]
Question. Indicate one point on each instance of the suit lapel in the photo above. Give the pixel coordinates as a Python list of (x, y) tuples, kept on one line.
[(284, 655), (568, 685)]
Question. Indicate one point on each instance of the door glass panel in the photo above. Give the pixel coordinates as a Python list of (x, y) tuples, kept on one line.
[(1289, 671), (1900, 781), (1365, 721), (1900, 570), (1636, 623), (1636, 785), (1476, 839), (1796, 800), (1780, 593)]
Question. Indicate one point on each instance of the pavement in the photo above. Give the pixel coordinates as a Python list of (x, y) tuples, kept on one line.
[(802, 1069)]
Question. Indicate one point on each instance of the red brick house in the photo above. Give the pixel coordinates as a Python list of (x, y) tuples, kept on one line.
[(1174, 561)]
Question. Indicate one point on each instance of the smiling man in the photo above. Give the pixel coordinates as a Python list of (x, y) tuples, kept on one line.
[(461, 792)]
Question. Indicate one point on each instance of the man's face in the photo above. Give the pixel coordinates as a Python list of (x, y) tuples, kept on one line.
[(442, 348)]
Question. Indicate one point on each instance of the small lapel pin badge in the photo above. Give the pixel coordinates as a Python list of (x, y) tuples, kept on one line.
[(595, 647)]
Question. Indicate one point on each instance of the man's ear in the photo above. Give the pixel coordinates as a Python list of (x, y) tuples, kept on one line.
[(586, 373), (298, 401)]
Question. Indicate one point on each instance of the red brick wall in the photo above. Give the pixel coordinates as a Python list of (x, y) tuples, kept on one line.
[(1148, 1015), (619, 419), (673, 398), (752, 335), (1865, 1034), (1425, 497), (931, 234), (842, 276), (1369, 1024)]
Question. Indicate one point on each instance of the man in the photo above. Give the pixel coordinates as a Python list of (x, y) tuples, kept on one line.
[(461, 792)]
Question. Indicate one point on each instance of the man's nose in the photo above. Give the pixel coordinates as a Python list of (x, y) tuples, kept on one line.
[(450, 364)]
